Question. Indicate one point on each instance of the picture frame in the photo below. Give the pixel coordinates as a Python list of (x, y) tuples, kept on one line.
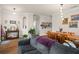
[(24, 22), (45, 25), (75, 17), (12, 22), (73, 24), (65, 21)]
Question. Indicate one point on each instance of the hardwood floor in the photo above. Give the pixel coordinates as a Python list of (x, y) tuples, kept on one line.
[(9, 47)]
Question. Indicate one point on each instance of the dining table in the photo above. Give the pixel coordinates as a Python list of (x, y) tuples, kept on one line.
[(74, 37)]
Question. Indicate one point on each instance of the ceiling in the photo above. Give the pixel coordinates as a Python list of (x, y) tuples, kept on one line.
[(37, 8)]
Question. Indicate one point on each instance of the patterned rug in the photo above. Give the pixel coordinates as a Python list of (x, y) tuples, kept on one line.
[(26, 48), (29, 50)]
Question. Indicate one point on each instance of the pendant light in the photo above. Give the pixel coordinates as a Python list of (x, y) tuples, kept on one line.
[(14, 10), (61, 11)]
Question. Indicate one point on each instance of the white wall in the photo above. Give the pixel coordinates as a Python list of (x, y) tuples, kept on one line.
[(57, 22), (28, 22), (44, 18), (0, 28), (30, 19), (7, 16)]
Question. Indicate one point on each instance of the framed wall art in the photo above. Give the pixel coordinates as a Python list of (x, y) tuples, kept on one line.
[(73, 24), (45, 25), (24, 22), (12, 22), (75, 17), (65, 21)]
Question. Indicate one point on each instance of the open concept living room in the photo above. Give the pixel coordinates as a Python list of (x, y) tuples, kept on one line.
[(39, 28)]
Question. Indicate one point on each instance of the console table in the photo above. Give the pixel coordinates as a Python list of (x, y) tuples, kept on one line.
[(12, 34)]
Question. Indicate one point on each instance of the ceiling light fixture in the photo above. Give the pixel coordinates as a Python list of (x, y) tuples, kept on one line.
[(61, 11), (14, 10)]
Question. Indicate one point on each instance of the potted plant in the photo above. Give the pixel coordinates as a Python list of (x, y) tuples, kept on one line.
[(32, 32), (25, 36)]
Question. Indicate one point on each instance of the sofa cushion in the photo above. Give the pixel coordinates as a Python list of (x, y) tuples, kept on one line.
[(69, 44), (45, 41), (61, 49), (42, 48)]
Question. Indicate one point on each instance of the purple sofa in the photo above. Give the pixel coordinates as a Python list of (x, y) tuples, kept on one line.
[(45, 41), (42, 43), (47, 46)]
